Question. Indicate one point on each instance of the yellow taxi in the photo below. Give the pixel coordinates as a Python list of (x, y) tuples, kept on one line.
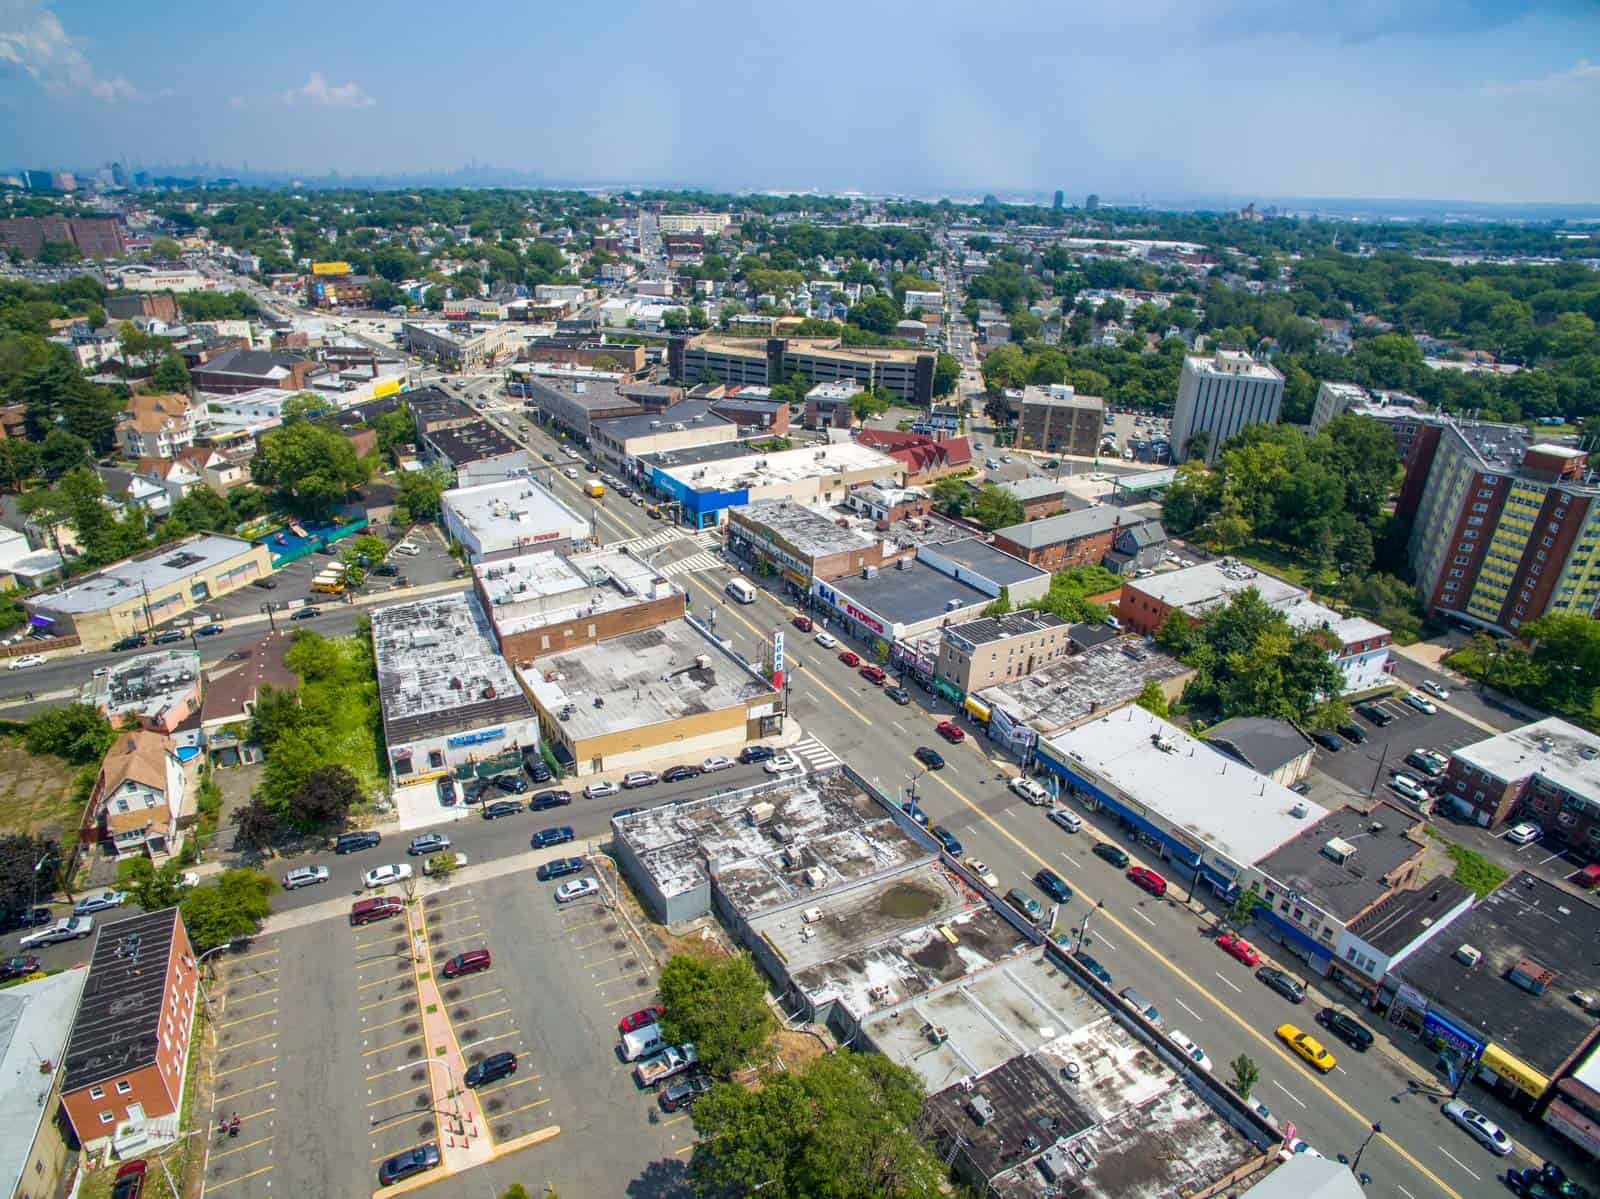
[(1308, 1047)]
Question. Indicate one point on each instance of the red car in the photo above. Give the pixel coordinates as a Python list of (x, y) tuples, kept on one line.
[(645, 1015), (1148, 879), (803, 623), (130, 1181), (951, 732), (850, 658), (873, 674), (1236, 946)]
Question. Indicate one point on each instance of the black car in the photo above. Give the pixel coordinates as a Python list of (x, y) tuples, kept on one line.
[(478, 790), (1284, 984), (931, 758), (27, 918), (208, 630), (684, 1092), (1374, 714), (1094, 968), (168, 637), (513, 784), (558, 868), (386, 570), (1327, 740), (1352, 1032), (264, 584), (545, 800), (137, 641), (1111, 853), (677, 774), (447, 791), (755, 753), (1548, 1182), (1353, 733), (305, 613), (547, 837), (356, 842), (947, 839), (491, 1069), (1053, 885), (501, 807), (412, 1161), (899, 694), (536, 769)]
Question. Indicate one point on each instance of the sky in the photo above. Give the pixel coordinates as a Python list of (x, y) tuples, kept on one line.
[(1427, 99)]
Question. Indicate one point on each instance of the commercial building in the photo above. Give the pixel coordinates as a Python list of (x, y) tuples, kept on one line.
[(234, 371), (667, 690), (624, 439), (160, 690), (996, 649), (577, 405), (1547, 772), (1217, 397), (925, 457), (35, 1023), (585, 352), (754, 410), (1503, 530), (138, 593), (903, 372), (448, 696), (456, 346), (1274, 748), (94, 236), (708, 223), (347, 290), (477, 453), (128, 1055), (930, 302), (1394, 928), (803, 544), (828, 405), (509, 517), (1081, 538), (1056, 420), (1040, 496), (138, 796), (156, 426), (710, 487)]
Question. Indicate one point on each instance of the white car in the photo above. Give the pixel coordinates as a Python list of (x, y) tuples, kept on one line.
[(1065, 819), (1437, 690), (1525, 833), (73, 928), (1265, 1113), (406, 548), (827, 640), (578, 888), (1031, 790), (382, 876), (781, 764), (711, 765), (1420, 702), (1190, 1050), (304, 876), (600, 790), (1482, 1129), (25, 660), (1411, 788), (570, 473), (977, 866)]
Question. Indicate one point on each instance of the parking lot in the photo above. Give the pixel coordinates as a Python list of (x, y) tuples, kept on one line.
[(1366, 768)]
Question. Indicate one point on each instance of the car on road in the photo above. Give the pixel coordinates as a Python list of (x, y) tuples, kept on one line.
[(1437, 690), (1026, 904), (305, 613), (803, 623), (755, 753), (634, 1021), (137, 641), (600, 790), (558, 868), (1031, 790), (950, 731), (1236, 946), (639, 778), (491, 1069), (169, 637), (873, 673), (1478, 1126), (1186, 1045), (383, 876), (1149, 880), (1141, 1005), (684, 1092), (713, 764), (208, 630), (410, 1162), (1327, 740), (512, 784), (899, 694), (72, 928), (129, 1183), (677, 774), (304, 876), (947, 839), (780, 763), (547, 837), (1409, 787), (100, 901), (27, 660), (1065, 820), (1286, 985), (1111, 853), (543, 801), (18, 967), (1306, 1047), (931, 758), (827, 640), (978, 867), (578, 888), (1348, 1029), (1547, 1182), (426, 843), (386, 570), (850, 658), (1353, 733), (1095, 968), (1420, 702), (1525, 833), (1053, 885), (1375, 715), (501, 807)]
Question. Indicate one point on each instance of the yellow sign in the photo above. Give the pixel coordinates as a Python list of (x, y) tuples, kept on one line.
[(330, 268), (387, 388), (1515, 1071)]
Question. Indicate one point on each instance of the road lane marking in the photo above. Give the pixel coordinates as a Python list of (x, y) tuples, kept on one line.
[(1143, 917), (1458, 1162), (1287, 1091), (1188, 1009), (1218, 973)]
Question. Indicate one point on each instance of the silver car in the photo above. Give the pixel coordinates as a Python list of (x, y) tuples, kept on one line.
[(1482, 1129), (304, 876)]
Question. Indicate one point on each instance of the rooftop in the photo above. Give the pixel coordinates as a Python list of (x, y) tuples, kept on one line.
[(1067, 526), (118, 1025), (596, 395), (534, 590), (825, 823), (1260, 742), (429, 404), (439, 671), (749, 471), (1524, 920), (697, 455), (1307, 613), (976, 557), (1561, 754), (227, 695), (147, 572), (910, 591), (1405, 915), (148, 685), (35, 1020), (666, 672), (997, 628), (1101, 678), (809, 531), (1235, 811), (1307, 1177), (1195, 588), (1038, 487), (512, 512), (1038, 395), (828, 346), (1374, 845), (691, 414), (473, 443), (1232, 363)]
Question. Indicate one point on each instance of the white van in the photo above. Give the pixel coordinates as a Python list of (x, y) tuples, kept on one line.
[(741, 591), (642, 1042)]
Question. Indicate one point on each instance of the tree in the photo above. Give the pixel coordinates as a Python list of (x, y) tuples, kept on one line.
[(442, 865), (171, 375), (325, 798), (718, 1004), (876, 314), (946, 374), (1002, 603), (419, 494), (675, 319), (1245, 1075), (153, 889), (1154, 700), (62, 452), (996, 508), (1244, 907), (312, 468), (164, 248), (952, 497), (20, 885), (228, 909), (80, 733), (254, 825)]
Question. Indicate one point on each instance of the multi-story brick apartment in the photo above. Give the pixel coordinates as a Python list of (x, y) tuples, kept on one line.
[(904, 372), (1548, 772), (1056, 420), (993, 650), (129, 1048), (1504, 530)]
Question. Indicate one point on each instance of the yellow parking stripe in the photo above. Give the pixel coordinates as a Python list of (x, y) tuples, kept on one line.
[(260, 1061), (392, 1152), (527, 1107), (222, 1101), (233, 997), (499, 1036), (421, 1086), (212, 1186), (271, 1011), (252, 1041), (394, 1045), (630, 998), (391, 1023), (217, 1157)]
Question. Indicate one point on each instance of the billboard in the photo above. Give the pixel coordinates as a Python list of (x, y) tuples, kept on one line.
[(330, 268)]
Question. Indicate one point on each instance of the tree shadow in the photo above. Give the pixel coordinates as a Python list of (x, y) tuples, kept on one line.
[(664, 1179)]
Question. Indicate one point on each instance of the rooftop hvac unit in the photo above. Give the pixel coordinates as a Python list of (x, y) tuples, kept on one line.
[(1468, 956), (903, 564), (759, 813), (979, 1107), (1337, 849), (814, 878), (811, 915), (1299, 811)]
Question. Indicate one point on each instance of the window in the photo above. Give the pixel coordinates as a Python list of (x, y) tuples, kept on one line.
[(97, 1092), (1474, 520), (124, 1087), (106, 1117), (1480, 507)]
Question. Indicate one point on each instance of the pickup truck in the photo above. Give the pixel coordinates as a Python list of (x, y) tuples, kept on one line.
[(72, 928), (674, 1059)]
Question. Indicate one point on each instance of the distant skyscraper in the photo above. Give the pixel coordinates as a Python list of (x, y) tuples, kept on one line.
[(1061, 199), (1092, 203)]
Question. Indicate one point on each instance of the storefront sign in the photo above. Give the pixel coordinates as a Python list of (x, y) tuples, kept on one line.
[(777, 659), (1514, 1070), (1452, 1034), (865, 617), (478, 738)]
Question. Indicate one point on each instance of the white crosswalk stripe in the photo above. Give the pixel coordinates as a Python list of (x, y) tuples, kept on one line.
[(691, 564), (817, 756), (650, 541)]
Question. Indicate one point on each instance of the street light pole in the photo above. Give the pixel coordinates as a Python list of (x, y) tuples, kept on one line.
[(1376, 1129), (1084, 923), (33, 901), (200, 974)]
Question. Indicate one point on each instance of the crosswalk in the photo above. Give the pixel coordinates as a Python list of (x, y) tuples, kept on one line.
[(691, 564), (816, 756), (649, 541)]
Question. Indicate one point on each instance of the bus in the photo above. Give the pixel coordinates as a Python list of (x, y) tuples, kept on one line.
[(331, 580)]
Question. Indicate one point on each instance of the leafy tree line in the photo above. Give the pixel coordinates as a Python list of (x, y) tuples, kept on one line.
[(1553, 663)]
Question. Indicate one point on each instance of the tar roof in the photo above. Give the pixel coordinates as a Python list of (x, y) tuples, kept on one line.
[(439, 671), (997, 628), (1099, 679), (1197, 587), (1068, 526), (35, 1019), (911, 592), (147, 572), (984, 561), (1260, 742), (472, 443), (1401, 918), (1524, 920), (118, 1025), (1032, 1110), (1560, 753), (697, 455), (1037, 487), (692, 414), (642, 678), (1345, 889), (806, 529)]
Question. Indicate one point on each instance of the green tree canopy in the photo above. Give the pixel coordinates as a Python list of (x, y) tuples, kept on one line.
[(80, 733), (718, 1004), (996, 508), (230, 907), (311, 468)]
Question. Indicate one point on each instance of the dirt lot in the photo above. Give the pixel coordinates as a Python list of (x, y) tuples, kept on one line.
[(37, 791)]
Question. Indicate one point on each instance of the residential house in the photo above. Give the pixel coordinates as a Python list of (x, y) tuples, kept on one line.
[(137, 795), (126, 489), (156, 426), (925, 459), (174, 475), (217, 472)]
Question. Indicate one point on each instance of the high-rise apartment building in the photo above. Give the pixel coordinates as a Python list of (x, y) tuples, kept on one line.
[(1503, 530), (1218, 395)]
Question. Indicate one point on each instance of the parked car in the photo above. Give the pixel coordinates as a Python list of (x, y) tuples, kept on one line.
[(72, 928), (899, 694), (600, 790), (1284, 984), (501, 807), (1095, 968), (1186, 1045), (827, 640), (1409, 787), (1437, 690), (873, 673), (713, 764), (1430, 761), (513, 784), (755, 753), (129, 1183), (536, 770), (37, 660), (1149, 880), (469, 962), (208, 630), (931, 758), (1352, 733), (1066, 820), (1236, 946), (1348, 1029), (639, 778), (386, 570), (803, 623), (1420, 702), (1525, 833), (1478, 1126), (426, 843), (1053, 885), (1026, 904), (543, 801), (677, 774), (1306, 1047), (947, 840), (950, 731), (1549, 1181), (684, 1092), (1111, 853), (1327, 740), (137, 641), (547, 837), (408, 1163), (304, 876), (100, 901), (1141, 1005), (978, 867), (305, 613), (18, 967), (446, 787), (558, 868), (357, 841), (491, 1069), (850, 658), (780, 764), (634, 1021), (383, 876), (578, 888), (1375, 714), (1031, 790)]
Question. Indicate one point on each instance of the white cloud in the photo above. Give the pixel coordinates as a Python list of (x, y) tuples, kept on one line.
[(318, 91), (1585, 72), (33, 40)]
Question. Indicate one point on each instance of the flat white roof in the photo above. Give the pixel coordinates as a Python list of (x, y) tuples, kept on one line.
[(1224, 805), (514, 511), (787, 466), (1566, 755), (538, 589), (1306, 613), (1197, 587), (35, 1022), (151, 571)]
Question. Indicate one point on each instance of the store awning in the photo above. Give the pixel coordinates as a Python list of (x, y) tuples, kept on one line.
[(41, 622), (1514, 1070), (976, 708)]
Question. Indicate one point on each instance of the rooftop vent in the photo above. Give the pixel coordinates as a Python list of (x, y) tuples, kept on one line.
[(1337, 849), (1468, 955), (1300, 810)]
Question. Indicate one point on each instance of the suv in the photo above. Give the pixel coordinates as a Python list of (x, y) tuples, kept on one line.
[(1111, 853), (304, 876), (1352, 1032), (1375, 714), (491, 1069), (365, 911), (545, 800), (755, 753), (638, 778), (515, 784), (470, 962), (501, 807), (356, 842), (1053, 885)]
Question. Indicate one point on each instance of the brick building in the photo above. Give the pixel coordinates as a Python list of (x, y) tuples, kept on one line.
[(993, 650), (1080, 538), (1055, 420), (95, 237), (236, 371), (925, 459), (1548, 772), (802, 544)]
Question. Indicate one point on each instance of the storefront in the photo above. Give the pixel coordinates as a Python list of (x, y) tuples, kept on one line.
[(1511, 1077), (976, 708), (858, 622), (1011, 734), (1316, 957)]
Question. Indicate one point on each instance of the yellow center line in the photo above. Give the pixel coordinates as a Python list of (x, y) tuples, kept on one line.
[(421, 1086), (212, 1186), (1220, 1005), (260, 1061), (217, 1157), (393, 1045)]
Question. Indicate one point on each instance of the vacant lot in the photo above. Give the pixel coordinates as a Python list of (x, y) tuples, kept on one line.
[(38, 792)]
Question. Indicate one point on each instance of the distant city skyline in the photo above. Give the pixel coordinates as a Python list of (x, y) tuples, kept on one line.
[(1440, 100)]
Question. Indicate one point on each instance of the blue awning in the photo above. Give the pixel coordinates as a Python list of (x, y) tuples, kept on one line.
[(41, 622)]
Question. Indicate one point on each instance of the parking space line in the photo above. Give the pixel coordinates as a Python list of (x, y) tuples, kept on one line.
[(469, 918), (389, 936), (591, 944), (217, 1157), (454, 903), (394, 1045), (421, 1086), (479, 995), (233, 997), (237, 1095), (255, 972), (520, 1082), (527, 1107), (250, 957), (630, 998), (489, 1015), (389, 1023), (367, 1007), (212, 1186), (499, 1036), (267, 1036), (271, 1011), (393, 1152), (260, 1061), (572, 928), (674, 1120), (396, 978), (614, 957), (689, 1148)]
